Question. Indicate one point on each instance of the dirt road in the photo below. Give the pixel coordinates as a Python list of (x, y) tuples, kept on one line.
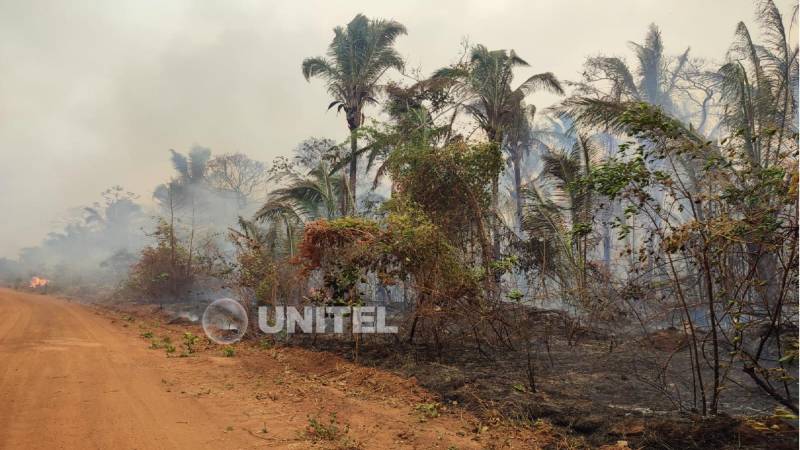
[(72, 377), (69, 379)]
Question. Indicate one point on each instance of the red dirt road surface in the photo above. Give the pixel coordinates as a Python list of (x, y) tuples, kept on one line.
[(72, 377), (69, 379)]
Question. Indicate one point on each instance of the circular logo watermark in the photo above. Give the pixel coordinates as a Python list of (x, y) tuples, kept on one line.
[(225, 321)]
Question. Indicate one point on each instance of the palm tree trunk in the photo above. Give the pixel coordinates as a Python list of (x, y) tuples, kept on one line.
[(606, 245), (343, 197), (353, 167), (496, 138), (518, 186)]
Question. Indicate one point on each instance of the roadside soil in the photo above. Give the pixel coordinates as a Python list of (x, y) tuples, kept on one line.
[(74, 376)]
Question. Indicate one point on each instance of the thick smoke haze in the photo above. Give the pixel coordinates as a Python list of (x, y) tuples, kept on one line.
[(93, 94)]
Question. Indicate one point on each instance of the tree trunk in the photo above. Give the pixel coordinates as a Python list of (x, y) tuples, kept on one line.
[(353, 168), (191, 243), (518, 186), (712, 315), (497, 139)]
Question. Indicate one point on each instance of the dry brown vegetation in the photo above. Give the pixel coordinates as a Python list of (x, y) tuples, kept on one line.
[(636, 281)]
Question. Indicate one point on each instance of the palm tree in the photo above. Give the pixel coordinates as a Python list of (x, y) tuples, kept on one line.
[(283, 224), (359, 55), (304, 198), (654, 80), (558, 210), (191, 174), (485, 81), (759, 83), (411, 121), (182, 191), (314, 195), (519, 140)]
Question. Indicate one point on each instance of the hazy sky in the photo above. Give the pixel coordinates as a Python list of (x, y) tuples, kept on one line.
[(93, 94)]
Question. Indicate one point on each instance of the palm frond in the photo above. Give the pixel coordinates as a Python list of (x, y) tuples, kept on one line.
[(542, 81), (317, 66), (276, 209), (618, 73)]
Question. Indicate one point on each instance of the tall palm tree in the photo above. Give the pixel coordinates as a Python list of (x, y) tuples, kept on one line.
[(359, 55), (191, 175), (759, 83), (759, 86), (519, 139), (182, 191), (485, 81), (653, 80), (410, 112)]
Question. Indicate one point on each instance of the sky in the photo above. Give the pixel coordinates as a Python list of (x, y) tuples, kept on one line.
[(94, 94)]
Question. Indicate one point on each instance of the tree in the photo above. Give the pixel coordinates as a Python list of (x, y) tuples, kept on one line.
[(191, 175), (732, 212), (162, 271), (728, 230), (518, 141), (654, 80), (237, 174), (759, 85), (412, 120), (359, 55), (558, 214), (486, 82), (312, 151), (313, 195)]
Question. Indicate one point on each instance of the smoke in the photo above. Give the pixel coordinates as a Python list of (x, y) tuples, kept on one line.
[(98, 92), (100, 242), (96, 245)]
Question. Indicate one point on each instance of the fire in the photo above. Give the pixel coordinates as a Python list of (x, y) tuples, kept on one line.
[(37, 282)]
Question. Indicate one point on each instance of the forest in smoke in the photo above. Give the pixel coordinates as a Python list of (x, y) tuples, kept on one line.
[(652, 211)]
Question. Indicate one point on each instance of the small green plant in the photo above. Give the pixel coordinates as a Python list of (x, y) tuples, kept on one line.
[(228, 352), (165, 343), (169, 348), (331, 431), (147, 335), (189, 342), (427, 410), (515, 295)]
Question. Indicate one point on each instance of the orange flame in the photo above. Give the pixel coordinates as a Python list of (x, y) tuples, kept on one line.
[(37, 282)]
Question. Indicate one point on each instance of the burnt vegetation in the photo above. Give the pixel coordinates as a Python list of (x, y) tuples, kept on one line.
[(622, 264)]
